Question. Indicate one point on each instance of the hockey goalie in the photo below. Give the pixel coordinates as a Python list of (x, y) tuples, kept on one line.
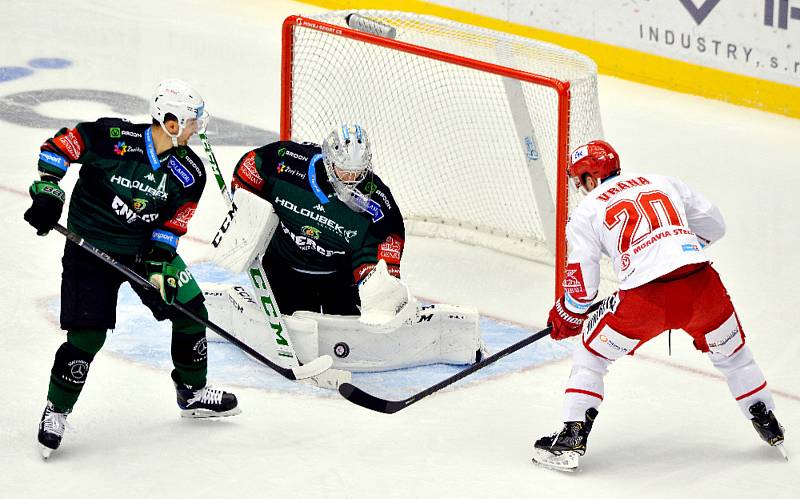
[(326, 242)]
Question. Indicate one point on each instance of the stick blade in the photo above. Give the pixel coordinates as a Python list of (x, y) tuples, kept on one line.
[(359, 397), (313, 368)]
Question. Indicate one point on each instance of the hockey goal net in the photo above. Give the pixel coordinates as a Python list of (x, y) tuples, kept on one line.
[(470, 128)]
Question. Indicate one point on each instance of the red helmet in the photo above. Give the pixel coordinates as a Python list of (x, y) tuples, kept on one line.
[(597, 159)]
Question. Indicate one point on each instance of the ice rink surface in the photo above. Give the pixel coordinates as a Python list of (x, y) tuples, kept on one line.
[(668, 426)]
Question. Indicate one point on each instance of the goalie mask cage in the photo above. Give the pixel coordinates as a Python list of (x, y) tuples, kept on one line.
[(471, 129)]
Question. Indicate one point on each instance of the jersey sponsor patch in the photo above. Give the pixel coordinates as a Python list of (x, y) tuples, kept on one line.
[(727, 339), (391, 249), (70, 143), (573, 281), (162, 236), (181, 173), (54, 159), (180, 221), (249, 173), (130, 216)]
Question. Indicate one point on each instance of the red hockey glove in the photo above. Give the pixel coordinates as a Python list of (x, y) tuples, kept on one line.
[(564, 322)]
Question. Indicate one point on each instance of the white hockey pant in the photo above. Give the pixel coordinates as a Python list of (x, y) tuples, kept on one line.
[(745, 380), (585, 384)]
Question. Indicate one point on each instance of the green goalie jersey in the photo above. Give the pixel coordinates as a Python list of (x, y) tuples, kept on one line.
[(126, 195), (318, 233)]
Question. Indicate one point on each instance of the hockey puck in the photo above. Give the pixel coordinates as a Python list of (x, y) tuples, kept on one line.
[(341, 350)]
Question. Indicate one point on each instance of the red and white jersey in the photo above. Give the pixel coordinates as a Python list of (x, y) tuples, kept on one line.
[(649, 225)]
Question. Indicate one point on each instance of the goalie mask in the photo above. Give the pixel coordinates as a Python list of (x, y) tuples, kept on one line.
[(177, 98), (597, 159), (348, 159)]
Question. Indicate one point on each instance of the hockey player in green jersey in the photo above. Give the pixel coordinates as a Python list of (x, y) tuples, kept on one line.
[(138, 188), (337, 219)]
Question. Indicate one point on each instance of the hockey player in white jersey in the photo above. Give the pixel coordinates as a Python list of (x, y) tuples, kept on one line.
[(654, 229)]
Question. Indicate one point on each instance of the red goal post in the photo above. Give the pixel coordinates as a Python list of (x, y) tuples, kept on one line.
[(473, 144)]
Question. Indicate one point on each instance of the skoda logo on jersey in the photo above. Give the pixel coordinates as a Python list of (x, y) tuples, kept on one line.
[(114, 133), (180, 171), (370, 187), (310, 231), (139, 204)]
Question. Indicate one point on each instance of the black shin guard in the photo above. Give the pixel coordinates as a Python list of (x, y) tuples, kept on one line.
[(68, 375), (189, 353)]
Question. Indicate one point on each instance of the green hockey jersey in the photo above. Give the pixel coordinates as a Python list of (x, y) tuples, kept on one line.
[(126, 195), (318, 232)]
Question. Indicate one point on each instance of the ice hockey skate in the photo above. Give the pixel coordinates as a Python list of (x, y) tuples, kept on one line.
[(561, 451), (205, 402), (767, 426), (51, 429)]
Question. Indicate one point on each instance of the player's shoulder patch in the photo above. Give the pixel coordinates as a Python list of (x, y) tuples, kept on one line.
[(379, 193), (186, 166), (118, 136)]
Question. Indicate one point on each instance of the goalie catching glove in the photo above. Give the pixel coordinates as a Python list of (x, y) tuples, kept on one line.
[(386, 301), (48, 201), (161, 272), (564, 320)]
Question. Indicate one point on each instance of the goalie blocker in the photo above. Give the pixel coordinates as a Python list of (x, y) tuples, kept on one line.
[(393, 332)]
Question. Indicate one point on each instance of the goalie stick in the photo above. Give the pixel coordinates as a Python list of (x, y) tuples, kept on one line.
[(258, 277), (359, 397), (309, 370), (263, 291)]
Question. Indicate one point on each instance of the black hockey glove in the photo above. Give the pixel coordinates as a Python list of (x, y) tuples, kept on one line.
[(48, 201), (161, 272)]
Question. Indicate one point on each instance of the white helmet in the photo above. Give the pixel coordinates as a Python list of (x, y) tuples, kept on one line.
[(177, 98), (348, 159)]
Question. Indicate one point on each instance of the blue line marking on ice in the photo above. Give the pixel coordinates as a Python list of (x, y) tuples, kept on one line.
[(8, 73), (139, 338), (49, 63)]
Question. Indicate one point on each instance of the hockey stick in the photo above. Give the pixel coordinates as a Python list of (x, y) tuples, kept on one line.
[(258, 277), (311, 369), (332, 378), (359, 397)]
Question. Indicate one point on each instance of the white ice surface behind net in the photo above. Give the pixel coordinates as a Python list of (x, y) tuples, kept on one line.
[(668, 427)]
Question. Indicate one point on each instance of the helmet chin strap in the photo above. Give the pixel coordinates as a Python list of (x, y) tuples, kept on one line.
[(173, 137)]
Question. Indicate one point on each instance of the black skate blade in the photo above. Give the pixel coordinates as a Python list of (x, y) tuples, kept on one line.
[(566, 462), (207, 413)]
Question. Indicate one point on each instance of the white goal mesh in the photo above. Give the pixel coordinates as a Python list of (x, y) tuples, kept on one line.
[(470, 128)]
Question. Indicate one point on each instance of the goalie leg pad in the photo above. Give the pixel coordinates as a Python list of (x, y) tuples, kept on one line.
[(437, 334), (245, 233), (235, 310)]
